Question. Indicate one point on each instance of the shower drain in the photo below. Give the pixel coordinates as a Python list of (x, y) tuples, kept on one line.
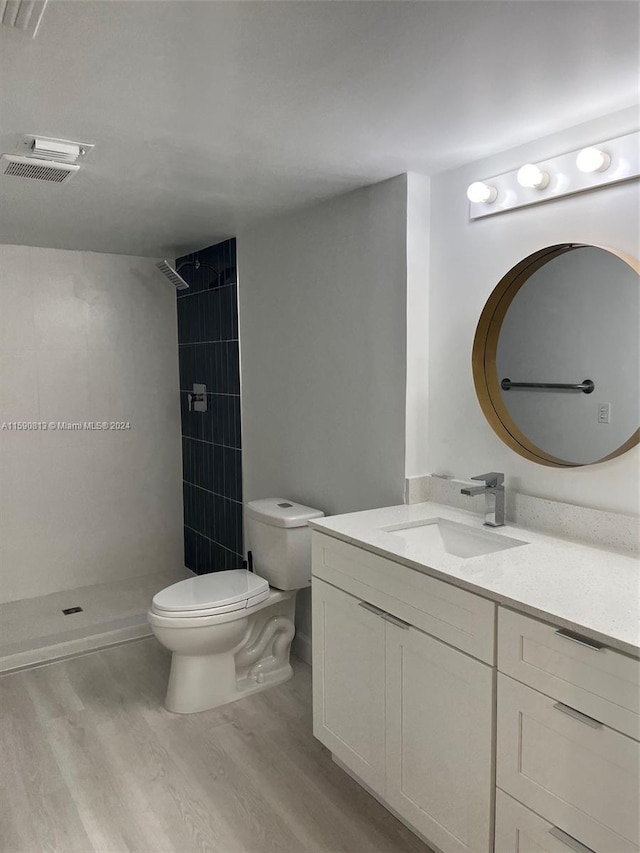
[(69, 610)]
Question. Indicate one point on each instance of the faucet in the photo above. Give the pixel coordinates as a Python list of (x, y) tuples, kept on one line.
[(493, 490)]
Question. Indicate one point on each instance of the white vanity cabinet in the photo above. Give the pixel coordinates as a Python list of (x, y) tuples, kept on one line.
[(397, 704), (444, 686), (568, 756)]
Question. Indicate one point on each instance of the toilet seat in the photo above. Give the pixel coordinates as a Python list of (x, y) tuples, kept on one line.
[(210, 594)]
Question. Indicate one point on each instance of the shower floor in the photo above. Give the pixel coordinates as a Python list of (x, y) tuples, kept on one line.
[(35, 631)]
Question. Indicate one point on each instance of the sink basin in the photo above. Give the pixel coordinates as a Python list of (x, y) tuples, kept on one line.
[(441, 536)]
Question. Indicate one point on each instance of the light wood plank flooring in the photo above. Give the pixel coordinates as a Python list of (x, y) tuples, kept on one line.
[(90, 762)]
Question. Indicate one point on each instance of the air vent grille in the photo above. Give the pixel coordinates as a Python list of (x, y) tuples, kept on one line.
[(39, 170)]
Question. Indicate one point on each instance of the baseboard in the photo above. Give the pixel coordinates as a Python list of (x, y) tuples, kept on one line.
[(301, 647)]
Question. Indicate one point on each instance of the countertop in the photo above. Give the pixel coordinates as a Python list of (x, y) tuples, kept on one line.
[(590, 590)]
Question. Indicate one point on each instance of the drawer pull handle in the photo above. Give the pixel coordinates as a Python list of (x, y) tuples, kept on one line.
[(581, 641), (577, 715), (570, 841), (399, 623), (371, 608), (387, 616)]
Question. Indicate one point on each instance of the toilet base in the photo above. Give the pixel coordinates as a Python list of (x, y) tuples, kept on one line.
[(257, 661), (201, 684)]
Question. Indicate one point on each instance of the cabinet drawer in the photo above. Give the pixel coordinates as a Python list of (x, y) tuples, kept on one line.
[(519, 830), (580, 775), (600, 682), (457, 617)]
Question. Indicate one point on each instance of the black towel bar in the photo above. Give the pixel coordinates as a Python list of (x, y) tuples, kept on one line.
[(586, 387)]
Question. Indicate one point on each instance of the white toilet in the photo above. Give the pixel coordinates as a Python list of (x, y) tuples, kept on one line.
[(230, 632)]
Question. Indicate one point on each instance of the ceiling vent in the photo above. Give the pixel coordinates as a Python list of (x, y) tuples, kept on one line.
[(37, 168), (52, 160), (22, 15), (56, 149)]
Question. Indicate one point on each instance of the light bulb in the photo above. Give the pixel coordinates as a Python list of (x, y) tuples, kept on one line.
[(478, 192), (531, 176), (593, 160)]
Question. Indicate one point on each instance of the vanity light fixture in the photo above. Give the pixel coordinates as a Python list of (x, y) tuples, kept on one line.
[(593, 160), (481, 193), (595, 166), (532, 176)]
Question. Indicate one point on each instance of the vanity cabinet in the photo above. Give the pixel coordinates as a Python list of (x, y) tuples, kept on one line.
[(568, 756), (408, 699), (409, 715)]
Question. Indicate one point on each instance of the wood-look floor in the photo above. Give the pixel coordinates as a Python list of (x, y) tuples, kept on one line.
[(90, 762)]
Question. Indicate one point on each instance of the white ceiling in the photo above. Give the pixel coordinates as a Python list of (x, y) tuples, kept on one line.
[(206, 115)]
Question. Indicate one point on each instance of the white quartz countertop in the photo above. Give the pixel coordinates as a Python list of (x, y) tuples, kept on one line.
[(590, 590)]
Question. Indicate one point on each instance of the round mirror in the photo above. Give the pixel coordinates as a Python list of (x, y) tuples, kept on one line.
[(556, 356)]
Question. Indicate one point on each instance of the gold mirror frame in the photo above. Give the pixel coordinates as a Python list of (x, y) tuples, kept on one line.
[(485, 347)]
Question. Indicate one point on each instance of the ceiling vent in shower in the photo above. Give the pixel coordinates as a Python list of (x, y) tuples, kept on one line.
[(36, 168), (22, 15)]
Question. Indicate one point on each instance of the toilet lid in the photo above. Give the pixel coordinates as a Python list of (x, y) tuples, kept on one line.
[(231, 590)]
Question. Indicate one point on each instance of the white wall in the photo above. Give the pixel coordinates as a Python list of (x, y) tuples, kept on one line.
[(87, 337), (417, 344), (322, 333), (322, 299), (467, 261)]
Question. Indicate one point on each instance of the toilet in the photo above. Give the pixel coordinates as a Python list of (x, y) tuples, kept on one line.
[(230, 632)]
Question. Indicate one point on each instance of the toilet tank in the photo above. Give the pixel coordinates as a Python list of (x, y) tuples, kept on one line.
[(280, 541)]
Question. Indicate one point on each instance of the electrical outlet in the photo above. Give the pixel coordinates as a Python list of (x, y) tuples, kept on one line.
[(604, 413)]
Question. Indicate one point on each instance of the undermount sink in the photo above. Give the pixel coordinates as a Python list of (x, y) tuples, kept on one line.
[(441, 536)]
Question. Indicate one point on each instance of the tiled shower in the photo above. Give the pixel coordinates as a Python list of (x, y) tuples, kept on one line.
[(90, 519), (211, 440)]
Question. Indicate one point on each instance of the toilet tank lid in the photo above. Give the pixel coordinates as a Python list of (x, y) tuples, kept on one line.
[(281, 512)]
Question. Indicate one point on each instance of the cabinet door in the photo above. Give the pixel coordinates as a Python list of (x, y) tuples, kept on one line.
[(348, 682), (439, 740)]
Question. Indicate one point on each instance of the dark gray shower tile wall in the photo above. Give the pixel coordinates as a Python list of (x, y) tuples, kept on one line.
[(211, 440)]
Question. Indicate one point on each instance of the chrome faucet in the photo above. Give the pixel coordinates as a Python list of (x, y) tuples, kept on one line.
[(493, 490)]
